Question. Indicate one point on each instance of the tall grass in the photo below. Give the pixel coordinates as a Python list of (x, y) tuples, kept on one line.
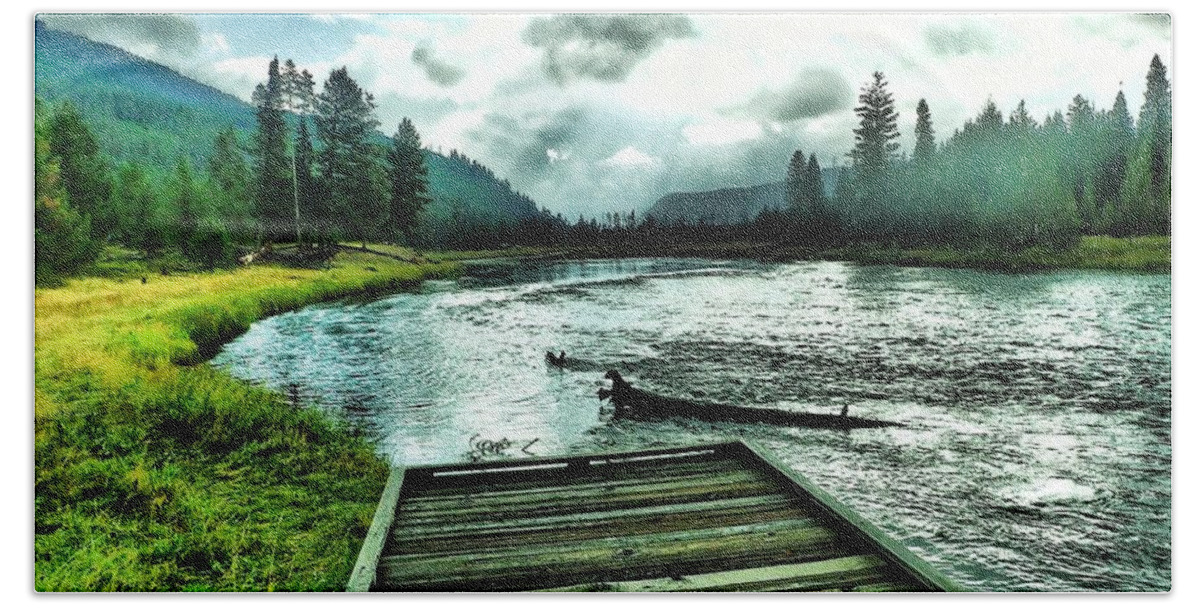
[(1133, 254), (155, 472)]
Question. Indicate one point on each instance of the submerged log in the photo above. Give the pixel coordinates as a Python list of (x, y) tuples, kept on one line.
[(635, 403)]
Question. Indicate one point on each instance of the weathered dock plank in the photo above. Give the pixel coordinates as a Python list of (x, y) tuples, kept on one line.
[(722, 517)]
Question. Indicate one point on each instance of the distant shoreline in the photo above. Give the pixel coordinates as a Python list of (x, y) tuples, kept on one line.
[(1150, 254)]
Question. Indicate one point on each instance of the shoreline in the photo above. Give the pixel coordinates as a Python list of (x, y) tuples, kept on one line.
[(156, 472), (1134, 254), (139, 444)]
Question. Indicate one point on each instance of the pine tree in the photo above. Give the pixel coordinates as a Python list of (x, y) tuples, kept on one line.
[(186, 202), (875, 144), (85, 175), (61, 235), (143, 225), (793, 184), (874, 150), (1020, 122), (1154, 126), (408, 177), (308, 195), (814, 186), (1114, 142), (227, 167), (924, 148), (823, 222), (298, 97), (273, 184), (353, 179)]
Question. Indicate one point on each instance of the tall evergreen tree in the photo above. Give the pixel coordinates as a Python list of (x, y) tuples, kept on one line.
[(186, 202), (1114, 141), (297, 96), (1020, 123), (308, 195), (409, 182), (875, 144), (924, 148), (143, 225), (353, 179), (227, 166), (273, 183), (61, 235), (85, 176), (874, 150), (1145, 200), (1154, 125), (793, 184)]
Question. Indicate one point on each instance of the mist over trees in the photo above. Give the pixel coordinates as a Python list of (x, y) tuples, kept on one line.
[(314, 171), (1004, 183)]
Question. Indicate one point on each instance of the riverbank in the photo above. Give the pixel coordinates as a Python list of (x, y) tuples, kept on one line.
[(154, 472), (1132, 254)]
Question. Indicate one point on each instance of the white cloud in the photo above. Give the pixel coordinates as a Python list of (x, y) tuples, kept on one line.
[(215, 42), (671, 114), (629, 157), (719, 131)]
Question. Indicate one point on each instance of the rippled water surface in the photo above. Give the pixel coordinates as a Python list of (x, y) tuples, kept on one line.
[(1036, 450)]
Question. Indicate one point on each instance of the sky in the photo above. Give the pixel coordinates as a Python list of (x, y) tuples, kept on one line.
[(593, 113)]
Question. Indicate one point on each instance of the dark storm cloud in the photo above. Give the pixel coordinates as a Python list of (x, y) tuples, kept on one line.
[(424, 111), (601, 47), (171, 36), (523, 141), (815, 92), (1159, 23), (963, 40), (439, 72), (577, 178)]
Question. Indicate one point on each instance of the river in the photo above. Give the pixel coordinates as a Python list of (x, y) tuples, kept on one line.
[(1036, 451)]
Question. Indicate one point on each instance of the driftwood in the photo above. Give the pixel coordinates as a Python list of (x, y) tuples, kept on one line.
[(634, 403)]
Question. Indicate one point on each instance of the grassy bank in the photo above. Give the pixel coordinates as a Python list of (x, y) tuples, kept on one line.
[(1136, 254), (155, 473)]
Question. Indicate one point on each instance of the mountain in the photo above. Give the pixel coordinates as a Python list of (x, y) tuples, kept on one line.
[(144, 111), (727, 205)]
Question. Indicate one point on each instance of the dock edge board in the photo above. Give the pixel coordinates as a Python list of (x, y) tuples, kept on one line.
[(363, 575), (854, 523)]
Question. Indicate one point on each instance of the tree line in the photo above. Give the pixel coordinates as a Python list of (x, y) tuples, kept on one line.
[(279, 187), (1008, 183)]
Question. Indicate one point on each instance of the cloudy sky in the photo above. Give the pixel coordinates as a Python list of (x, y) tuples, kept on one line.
[(599, 112)]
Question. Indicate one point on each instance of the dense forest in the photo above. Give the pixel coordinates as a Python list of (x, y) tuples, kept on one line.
[(131, 153), (310, 167), (1003, 183)]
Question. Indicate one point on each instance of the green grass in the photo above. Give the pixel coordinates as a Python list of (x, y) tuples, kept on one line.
[(155, 472), (1137, 254)]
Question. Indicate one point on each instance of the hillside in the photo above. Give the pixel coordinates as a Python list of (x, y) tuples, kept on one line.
[(727, 205), (147, 112)]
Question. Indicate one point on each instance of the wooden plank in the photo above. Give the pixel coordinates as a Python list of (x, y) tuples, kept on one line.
[(850, 521), (469, 502), (579, 460), (530, 479), (528, 539), (645, 497), (363, 574), (507, 484), (747, 506), (818, 575), (615, 558)]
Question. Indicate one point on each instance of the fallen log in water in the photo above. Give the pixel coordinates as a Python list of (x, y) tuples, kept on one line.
[(634, 403)]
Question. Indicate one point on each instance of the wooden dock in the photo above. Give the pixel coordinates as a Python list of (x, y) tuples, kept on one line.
[(723, 517)]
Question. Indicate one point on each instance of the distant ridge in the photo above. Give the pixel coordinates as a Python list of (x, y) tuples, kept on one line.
[(727, 205)]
